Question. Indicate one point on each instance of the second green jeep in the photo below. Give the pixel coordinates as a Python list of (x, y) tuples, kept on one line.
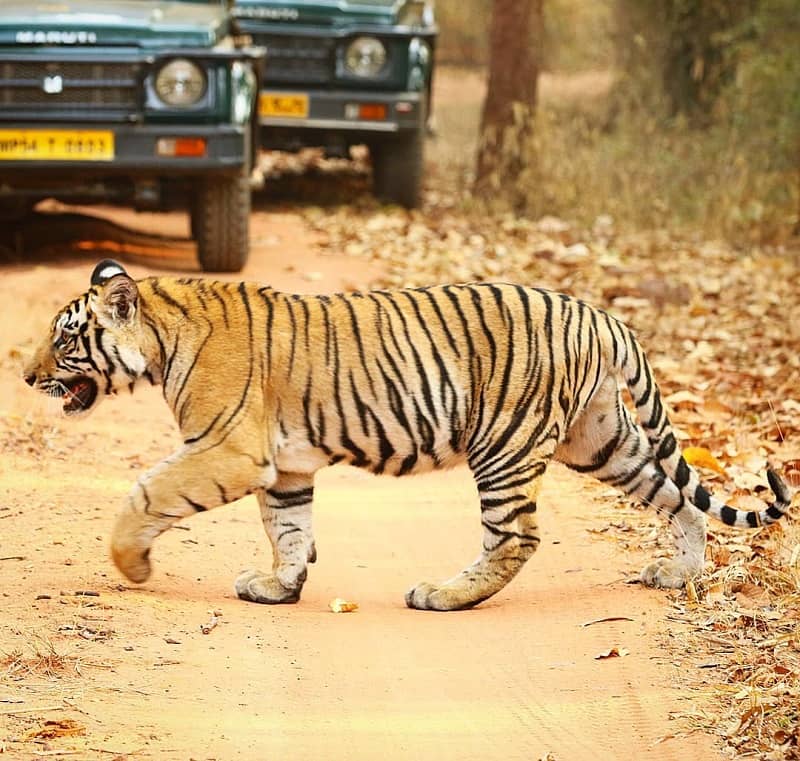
[(345, 72), (141, 102)]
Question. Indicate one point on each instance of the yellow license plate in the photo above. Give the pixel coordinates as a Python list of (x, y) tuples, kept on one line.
[(56, 145), (293, 105)]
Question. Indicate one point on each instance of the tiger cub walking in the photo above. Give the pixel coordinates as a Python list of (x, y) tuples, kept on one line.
[(268, 387)]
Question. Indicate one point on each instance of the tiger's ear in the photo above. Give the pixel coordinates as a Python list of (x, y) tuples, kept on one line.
[(118, 293), (105, 270)]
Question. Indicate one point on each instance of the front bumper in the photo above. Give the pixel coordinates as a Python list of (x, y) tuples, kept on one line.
[(340, 111), (131, 150)]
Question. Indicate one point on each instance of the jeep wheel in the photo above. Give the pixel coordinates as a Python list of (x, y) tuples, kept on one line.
[(397, 169), (220, 222)]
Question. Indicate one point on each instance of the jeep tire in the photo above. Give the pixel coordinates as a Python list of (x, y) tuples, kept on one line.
[(397, 168), (220, 222)]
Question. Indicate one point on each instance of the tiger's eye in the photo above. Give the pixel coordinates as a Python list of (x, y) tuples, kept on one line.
[(62, 340)]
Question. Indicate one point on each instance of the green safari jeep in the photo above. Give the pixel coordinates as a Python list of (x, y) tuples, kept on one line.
[(149, 103), (344, 72)]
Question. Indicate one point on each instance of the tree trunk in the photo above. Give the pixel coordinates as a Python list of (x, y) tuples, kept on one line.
[(504, 148)]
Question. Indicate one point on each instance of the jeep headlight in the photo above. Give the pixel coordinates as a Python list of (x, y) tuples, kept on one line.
[(365, 56), (180, 83)]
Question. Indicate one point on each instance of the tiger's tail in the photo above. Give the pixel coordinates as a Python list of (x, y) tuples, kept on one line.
[(638, 376)]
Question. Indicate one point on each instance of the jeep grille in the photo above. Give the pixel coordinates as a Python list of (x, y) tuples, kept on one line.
[(306, 60), (79, 90)]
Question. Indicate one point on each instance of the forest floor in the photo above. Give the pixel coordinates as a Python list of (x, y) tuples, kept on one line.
[(93, 667)]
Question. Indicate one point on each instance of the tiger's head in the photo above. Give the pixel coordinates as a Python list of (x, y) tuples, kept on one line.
[(93, 347)]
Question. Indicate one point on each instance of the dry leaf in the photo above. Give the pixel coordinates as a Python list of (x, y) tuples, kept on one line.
[(716, 410), (614, 652), (716, 593), (605, 620), (720, 555), (55, 728), (338, 605), (748, 481), (684, 398), (751, 462), (702, 458), (747, 502), (751, 595)]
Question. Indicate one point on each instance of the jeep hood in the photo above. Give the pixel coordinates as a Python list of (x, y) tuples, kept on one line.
[(140, 23), (321, 12)]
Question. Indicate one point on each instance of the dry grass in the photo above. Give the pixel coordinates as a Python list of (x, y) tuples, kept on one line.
[(586, 163), (740, 635), (40, 658), (590, 162)]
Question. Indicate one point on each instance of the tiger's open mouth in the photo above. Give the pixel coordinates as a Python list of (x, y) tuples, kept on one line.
[(79, 394)]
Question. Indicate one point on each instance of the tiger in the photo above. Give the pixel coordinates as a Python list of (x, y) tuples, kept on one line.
[(268, 387)]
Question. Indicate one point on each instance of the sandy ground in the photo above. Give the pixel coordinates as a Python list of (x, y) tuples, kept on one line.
[(515, 678)]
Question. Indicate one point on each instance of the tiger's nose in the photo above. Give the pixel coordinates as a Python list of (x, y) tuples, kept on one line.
[(30, 378)]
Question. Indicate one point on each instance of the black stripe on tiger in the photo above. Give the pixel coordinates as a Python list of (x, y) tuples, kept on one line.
[(292, 498)]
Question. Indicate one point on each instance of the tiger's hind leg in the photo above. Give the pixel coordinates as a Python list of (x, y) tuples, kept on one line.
[(508, 485), (286, 514), (607, 443)]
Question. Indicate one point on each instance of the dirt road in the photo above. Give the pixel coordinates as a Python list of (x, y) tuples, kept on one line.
[(515, 678)]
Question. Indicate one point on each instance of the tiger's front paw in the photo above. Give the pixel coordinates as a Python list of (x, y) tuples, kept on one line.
[(265, 588), (668, 573), (130, 545), (132, 561)]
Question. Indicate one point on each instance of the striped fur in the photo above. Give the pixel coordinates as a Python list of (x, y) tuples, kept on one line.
[(268, 387)]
